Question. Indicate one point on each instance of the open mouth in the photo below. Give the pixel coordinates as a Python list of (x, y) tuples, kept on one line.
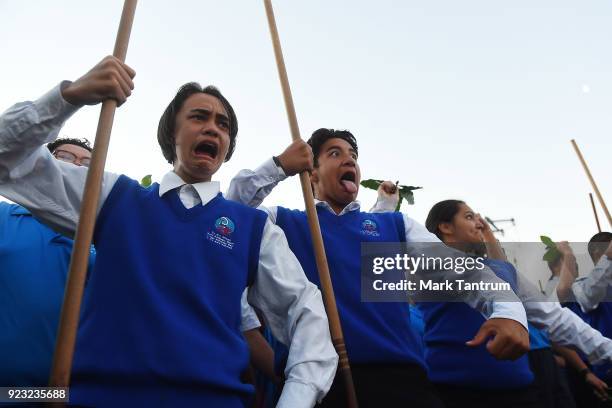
[(347, 180), (207, 148)]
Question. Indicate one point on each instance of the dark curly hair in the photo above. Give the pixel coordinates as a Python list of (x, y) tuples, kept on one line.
[(320, 136), (84, 143)]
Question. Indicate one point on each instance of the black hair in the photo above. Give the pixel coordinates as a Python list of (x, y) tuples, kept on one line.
[(442, 212), (320, 136), (598, 243), (167, 122), (84, 143)]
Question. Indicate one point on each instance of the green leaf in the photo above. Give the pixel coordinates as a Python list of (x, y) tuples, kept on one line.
[(371, 183), (405, 192), (547, 241), (146, 181), (551, 255)]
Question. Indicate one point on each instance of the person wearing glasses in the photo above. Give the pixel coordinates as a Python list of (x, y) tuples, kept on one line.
[(34, 263), (74, 151)]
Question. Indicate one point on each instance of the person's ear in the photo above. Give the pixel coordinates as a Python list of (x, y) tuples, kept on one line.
[(446, 228), (314, 176)]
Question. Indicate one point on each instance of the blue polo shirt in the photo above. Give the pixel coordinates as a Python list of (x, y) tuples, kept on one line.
[(34, 263)]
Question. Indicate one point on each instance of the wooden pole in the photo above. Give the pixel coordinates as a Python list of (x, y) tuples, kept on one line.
[(69, 320), (313, 221), (595, 212), (588, 173)]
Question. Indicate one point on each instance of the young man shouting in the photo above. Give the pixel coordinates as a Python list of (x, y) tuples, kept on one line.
[(160, 322), (387, 366)]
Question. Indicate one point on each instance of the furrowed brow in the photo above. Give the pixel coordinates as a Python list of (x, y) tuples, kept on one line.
[(200, 110)]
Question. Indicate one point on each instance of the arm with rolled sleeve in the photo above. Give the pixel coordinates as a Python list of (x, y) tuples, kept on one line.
[(293, 309), (563, 326), (592, 289), (30, 176)]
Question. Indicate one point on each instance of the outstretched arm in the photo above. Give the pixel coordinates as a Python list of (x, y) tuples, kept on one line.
[(252, 187), (507, 322), (29, 175), (563, 326)]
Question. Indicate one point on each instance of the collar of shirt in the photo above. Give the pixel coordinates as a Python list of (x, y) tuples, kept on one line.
[(190, 194), (353, 206)]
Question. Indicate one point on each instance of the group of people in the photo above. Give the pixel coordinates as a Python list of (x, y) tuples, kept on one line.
[(189, 288)]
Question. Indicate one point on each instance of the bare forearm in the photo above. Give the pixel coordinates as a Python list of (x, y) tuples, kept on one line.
[(571, 357), (262, 355)]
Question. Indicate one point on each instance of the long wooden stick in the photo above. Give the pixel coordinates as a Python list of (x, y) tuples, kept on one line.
[(69, 320), (313, 221), (588, 173), (595, 212)]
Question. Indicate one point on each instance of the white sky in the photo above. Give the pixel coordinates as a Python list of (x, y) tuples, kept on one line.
[(475, 100)]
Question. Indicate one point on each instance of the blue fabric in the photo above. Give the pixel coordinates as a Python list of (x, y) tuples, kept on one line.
[(448, 326), (34, 262), (538, 339), (373, 332), (161, 312), (418, 325)]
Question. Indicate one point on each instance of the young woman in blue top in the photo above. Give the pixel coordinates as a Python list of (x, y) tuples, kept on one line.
[(467, 376), (457, 225)]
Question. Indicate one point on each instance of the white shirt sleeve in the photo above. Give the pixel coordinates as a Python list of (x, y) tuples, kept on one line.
[(249, 319), (293, 309), (250, 187), (592, 289), (562, 325), (384, 204), (29, 175), (487, 302)]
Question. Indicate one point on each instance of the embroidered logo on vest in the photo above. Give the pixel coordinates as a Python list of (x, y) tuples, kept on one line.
[(369, 227), (224, 227)]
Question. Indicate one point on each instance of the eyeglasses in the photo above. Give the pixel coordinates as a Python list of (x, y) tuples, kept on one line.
[(68, 157)]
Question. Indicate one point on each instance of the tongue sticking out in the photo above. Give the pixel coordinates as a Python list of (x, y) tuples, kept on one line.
[(349, 186)]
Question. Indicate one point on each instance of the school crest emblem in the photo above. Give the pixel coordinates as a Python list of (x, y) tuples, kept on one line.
[(224, 226), (369, 227), (221, 234)]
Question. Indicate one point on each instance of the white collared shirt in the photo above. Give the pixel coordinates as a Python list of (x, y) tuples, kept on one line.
[(52, 190), (592, 289)]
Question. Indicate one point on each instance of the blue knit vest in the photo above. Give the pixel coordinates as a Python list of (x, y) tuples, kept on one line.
[(373, 332), (160, 324), (449, 325)]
